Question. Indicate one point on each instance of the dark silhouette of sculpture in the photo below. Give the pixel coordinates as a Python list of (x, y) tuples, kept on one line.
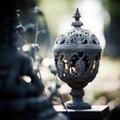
[(112, 29), (14, 65), (32, 27), (19, 99)]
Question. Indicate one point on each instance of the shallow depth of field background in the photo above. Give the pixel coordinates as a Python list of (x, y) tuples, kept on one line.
[(100, 17)]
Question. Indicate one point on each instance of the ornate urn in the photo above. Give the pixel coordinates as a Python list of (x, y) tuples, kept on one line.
[(77, 54)]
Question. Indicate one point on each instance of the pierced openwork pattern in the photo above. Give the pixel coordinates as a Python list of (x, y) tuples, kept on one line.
[(78, 67), (77, 36)]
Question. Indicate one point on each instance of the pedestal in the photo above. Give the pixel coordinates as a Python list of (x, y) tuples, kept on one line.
[(97, 112)]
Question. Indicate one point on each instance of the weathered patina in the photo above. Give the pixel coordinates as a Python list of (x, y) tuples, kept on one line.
[(77, 54)]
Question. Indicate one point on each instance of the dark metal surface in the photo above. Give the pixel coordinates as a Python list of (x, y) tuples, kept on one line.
[(77, 54), (97, 112)]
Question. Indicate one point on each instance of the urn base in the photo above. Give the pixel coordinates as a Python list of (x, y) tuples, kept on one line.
[(77, 101), (77, 104)]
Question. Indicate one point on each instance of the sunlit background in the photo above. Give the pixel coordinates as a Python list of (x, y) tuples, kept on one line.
[(101, 18)]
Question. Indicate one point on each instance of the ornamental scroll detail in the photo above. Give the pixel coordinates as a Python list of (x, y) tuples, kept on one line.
[(77, 67), (78, 36)]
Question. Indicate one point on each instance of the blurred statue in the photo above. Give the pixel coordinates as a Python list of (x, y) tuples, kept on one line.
[(32, 29), (15, 66), (112, 29), (21, 90)]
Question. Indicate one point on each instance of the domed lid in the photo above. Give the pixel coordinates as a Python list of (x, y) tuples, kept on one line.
[(77, 38)]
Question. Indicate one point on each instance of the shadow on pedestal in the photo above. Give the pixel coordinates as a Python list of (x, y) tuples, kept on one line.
[(97, 112)]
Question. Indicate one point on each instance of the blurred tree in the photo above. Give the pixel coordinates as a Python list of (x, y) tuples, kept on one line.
[(112, 31)]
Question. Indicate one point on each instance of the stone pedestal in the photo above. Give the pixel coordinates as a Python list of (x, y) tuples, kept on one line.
[(97, 112)]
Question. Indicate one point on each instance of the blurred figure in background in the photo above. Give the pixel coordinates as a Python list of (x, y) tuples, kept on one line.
[(112, 28)]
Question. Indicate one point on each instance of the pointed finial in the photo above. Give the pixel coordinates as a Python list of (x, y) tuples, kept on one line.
[(77, 16)]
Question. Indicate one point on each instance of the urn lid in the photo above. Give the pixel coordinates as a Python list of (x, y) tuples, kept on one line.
[(77, 38)]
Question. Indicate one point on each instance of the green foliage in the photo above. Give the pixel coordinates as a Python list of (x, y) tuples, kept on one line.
[(54, 10), (112, 6)]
